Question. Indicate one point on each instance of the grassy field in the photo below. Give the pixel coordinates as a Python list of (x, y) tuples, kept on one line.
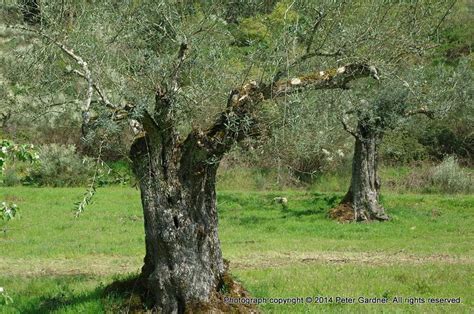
[(50, 261)]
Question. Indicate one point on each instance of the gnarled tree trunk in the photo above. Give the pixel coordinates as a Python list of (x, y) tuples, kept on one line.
[(183, 262), (184, 269), (361, 203)]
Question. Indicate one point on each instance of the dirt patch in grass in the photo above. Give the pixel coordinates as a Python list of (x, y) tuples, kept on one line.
[(363, 258), (98, 265), (12, 198), (102, 265)]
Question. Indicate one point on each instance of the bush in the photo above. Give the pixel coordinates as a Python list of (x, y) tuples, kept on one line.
[(401, 147), (449, 177), (446, 177), (15, 173), (415, 178), (60, 165)]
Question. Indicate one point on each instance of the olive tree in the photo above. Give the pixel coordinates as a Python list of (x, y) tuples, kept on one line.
[(172, 71), (432, 92), (398, 40)]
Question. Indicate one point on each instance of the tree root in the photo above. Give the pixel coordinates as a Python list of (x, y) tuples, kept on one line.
[(227, 288), (135, 295), (345, 213)]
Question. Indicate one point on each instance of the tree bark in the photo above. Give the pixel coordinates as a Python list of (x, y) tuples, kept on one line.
[(183, 267), (363, 195), (183, 262)]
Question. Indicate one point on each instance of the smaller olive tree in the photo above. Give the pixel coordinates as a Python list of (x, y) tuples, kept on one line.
[(432, 92)]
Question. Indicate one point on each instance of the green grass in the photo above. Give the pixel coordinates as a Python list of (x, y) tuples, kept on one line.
[(416, 178), (50, 261)]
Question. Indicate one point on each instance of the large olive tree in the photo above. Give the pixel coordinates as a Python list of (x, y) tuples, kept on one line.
[(178, 74)]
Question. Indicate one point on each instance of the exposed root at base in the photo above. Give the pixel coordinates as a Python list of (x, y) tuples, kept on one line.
[(342, 213), (227, 288), (134, 293)]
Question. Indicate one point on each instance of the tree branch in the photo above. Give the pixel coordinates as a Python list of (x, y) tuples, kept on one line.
[(86, 74), (183, 49), (164, 96), (443, 17), (422, 110), (308, 55), (237, 121), (347, 128), (313, 31), (98, 90), (330, 79)]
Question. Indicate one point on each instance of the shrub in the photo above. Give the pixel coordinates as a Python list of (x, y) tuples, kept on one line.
[(14, 174), (60, 165), (449, 177), (417, 178), (401, 147)]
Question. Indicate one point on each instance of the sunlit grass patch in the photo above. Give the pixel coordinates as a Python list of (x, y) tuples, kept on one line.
[(50, 261)]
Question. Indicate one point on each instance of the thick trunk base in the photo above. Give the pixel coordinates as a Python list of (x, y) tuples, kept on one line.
[(227, 288), (362, 207), (361, 202), (345, 212), (136, 297)]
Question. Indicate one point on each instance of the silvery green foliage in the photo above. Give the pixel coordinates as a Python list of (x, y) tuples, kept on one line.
[(8, 211), (5, 298), (420, 89), (10, 151), (306, 136), (306, 133), (132, 47), (61, 165), (449, 177)]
